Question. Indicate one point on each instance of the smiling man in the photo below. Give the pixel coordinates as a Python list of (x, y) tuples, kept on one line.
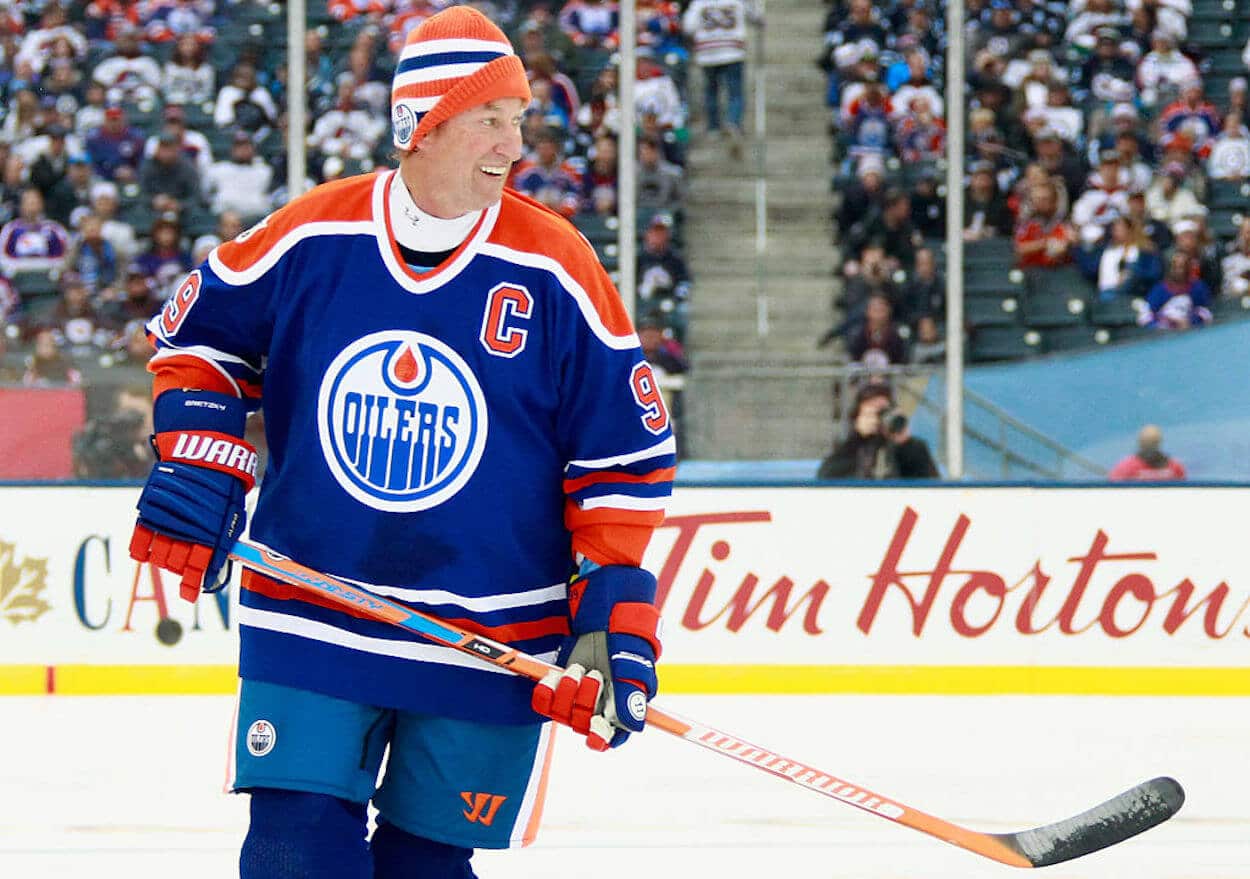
[(458, 415)]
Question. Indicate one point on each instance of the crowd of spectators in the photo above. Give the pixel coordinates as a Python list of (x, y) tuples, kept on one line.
[(1102, 135), (137, 136)]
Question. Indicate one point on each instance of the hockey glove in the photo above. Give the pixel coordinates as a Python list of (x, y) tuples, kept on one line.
[(609, 660), (191, 511)]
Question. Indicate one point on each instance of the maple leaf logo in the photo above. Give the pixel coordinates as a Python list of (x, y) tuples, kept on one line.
[(22, 586)]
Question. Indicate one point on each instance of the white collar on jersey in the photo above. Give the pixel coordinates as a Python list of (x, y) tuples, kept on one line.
[(417, 230)]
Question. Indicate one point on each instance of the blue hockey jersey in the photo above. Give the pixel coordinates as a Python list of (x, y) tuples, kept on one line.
[(450, 439)]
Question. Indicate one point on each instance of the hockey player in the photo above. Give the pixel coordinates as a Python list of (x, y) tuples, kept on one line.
[(458, 416)]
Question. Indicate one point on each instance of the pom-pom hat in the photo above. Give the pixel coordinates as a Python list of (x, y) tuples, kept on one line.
[(454, 61)]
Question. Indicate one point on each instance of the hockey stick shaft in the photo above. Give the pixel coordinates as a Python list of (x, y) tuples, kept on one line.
[(1130, 813)]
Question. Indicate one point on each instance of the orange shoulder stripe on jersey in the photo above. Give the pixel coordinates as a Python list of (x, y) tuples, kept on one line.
[(190, 371), (530, 227), (665, 474), (349, 200)]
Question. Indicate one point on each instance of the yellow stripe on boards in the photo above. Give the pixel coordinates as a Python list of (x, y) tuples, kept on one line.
[(955, 680), (98, 680), (90, 680)]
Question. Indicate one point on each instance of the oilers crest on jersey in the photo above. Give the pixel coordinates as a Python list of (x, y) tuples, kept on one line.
[(449, 439), (402, 421)]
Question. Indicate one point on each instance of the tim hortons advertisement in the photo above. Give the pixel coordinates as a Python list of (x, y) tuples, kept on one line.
[(890, 577)]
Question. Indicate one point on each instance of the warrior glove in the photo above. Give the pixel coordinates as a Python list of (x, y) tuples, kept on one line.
[(609, 659), (192, 509)]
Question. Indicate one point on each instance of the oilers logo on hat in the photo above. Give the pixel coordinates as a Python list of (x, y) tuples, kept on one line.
[(405, 123), (402, 421)]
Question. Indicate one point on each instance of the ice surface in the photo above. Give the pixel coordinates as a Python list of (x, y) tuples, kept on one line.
[(131, 787)]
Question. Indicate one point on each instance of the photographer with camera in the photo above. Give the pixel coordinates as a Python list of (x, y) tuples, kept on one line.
[(879, 444)]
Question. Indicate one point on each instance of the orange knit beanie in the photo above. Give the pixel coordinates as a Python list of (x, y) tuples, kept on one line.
[(451, 62)]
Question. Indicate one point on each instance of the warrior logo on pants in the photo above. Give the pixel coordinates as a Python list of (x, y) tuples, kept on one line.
[(402, 421)]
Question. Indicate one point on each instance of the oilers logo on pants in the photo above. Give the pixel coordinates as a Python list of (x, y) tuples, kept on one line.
[(402, 421)]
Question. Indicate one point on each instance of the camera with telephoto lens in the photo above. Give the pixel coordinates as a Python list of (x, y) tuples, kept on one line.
[(893, 421)]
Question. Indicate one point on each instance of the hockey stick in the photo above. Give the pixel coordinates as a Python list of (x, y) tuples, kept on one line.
[(1119, 818)]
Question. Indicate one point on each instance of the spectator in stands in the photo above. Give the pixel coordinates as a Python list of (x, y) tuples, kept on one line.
[(243, 103), (48, 158), (71, 194), (599, 182), (104, 204), (193, 144), (891, 227), (166, 22), (869, 274), (1124, 119), (93, 257), (662, 352), (47, 365), (1133, 161), (1192, 238), (138, 301), (543, 104), (1001, 34), (242, 182), (866, 120), (1168, 201), (660, 184), (663, 276), (364, 72), (864, 195), (1059, 160), (1126, 266), (54, 27), (24, 114), (929, 349), (656, 93), (1192, 115), (91, 114), (878, 342), (547, 178), (168, 180), (1149, 463), (116, 147), (32, 242), (1105, 197), (1163, 70), (1106, 73), (1235, 268), (1044, 240), (1180, 300), (202, 247), (229, 225), (165, 261), (986, 214), (79, 329), (1158, 233), (718, 31), (540, 31), (924, 292), (928, 208), (188, 77), (599, 114), (1230, 151), (348, 130), (879, 444), (128, 75), (559, 89), (590, 24)]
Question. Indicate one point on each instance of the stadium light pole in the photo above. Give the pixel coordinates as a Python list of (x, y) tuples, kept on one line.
[(954, 240), (296, 98), (626, 168)]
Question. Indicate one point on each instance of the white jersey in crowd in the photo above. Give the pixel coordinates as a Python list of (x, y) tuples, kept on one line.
[(719, 30)]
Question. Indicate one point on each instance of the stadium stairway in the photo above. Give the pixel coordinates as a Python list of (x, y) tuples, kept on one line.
[(747, 395)]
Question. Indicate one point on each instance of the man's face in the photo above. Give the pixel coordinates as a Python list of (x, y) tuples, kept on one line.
[(650, 338), (656, 238), (31, 205), (462, 165)]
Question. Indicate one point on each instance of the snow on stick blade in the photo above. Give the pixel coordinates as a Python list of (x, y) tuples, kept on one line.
[(1119, 818)]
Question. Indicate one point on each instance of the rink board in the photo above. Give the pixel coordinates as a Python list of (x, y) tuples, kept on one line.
[(956, 590)]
